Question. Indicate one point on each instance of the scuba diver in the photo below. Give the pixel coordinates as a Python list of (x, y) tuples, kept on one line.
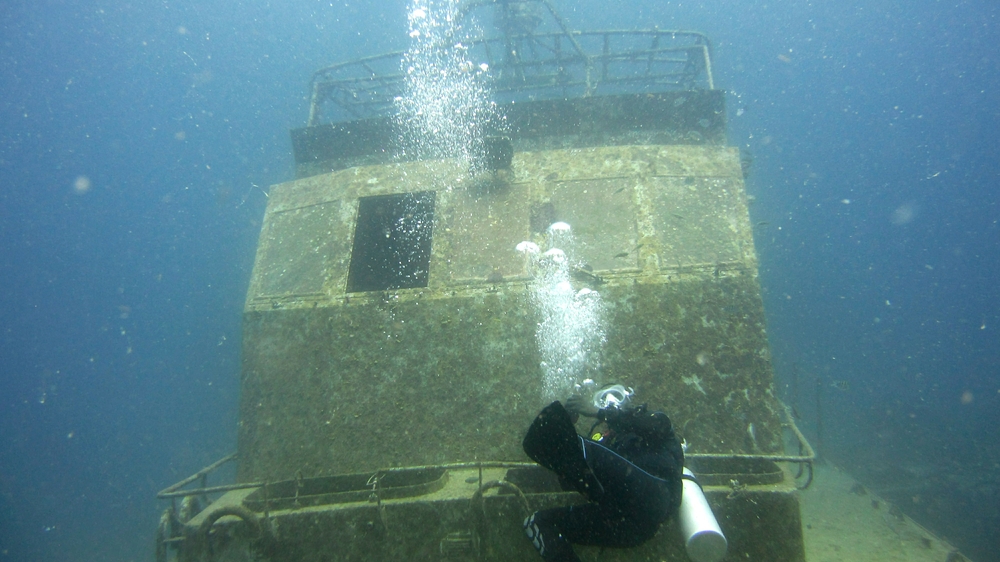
[(631, 474)]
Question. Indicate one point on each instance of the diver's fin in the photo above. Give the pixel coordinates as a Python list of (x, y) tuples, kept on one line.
[(552, 442)]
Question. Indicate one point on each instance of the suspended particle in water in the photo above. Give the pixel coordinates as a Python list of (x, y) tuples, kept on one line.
[(81, 185), (903, 214), (702, 358)]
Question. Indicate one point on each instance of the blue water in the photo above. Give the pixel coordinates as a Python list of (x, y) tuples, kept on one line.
[(133, 136)]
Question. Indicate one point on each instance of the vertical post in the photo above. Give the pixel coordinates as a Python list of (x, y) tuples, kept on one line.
[(795, 386), (606, 53), (588, 63), (314, 105), (708, 66), (819, 416), (653, 51)]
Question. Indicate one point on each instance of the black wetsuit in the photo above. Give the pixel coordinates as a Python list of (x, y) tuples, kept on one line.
[(632, 479)]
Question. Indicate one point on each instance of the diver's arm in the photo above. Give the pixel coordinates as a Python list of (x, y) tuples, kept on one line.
[(576, 404)]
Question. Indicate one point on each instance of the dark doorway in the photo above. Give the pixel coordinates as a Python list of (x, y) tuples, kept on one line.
[(392, 242)]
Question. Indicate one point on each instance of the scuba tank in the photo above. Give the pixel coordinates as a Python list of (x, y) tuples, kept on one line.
[(703, 539)]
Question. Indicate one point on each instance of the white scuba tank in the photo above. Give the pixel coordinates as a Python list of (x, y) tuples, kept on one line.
[(703, 539)]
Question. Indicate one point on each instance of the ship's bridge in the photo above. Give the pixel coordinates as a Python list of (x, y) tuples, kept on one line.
[(397, 339)]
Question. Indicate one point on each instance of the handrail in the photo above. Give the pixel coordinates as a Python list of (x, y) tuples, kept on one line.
[(806, 457), (538, 68), (171, 491)]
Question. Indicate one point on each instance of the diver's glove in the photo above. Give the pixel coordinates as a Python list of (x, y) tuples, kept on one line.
[(579, 405)]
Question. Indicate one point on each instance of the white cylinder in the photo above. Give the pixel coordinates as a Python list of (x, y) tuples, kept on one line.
[(703, 539)]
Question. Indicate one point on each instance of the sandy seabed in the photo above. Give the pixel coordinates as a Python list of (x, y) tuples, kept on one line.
[(842, 521)]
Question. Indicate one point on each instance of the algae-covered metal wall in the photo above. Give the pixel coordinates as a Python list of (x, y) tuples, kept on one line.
[(448, 369)]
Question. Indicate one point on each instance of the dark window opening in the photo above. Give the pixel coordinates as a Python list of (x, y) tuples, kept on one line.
[(392, 242)]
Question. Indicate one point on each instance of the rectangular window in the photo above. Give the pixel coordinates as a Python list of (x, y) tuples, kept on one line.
[(392, 242)]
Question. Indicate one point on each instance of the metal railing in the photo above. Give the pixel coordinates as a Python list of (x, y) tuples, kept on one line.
[(804, 459), (525, 64), (529, 67)]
